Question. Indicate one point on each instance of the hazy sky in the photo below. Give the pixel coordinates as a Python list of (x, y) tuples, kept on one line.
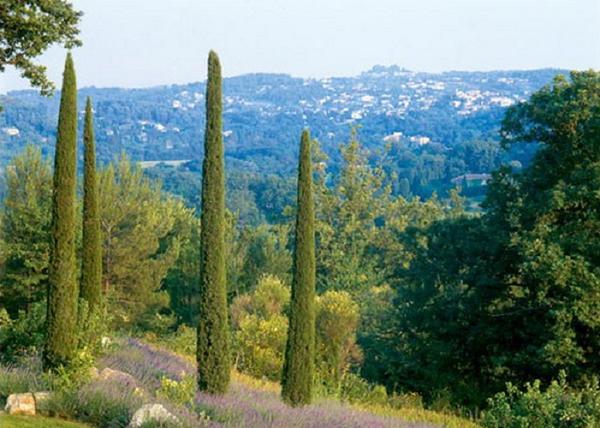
[(137, 43)]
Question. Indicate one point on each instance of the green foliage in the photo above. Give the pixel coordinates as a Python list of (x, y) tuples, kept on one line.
[(141, 229), (260, 333), (337, 321), (298, 369), (511, 295), (93, 325), (265, 253), (183, 278), (14, 380), (183, 341), (355, 389), (348, 212), (213, 342), (261, 328), (559, 405), (23, 335), (103, 408), (61, 342), (179, 392), (91, 257), (260, 344), (25, 231), (29, 27), (70, 378)]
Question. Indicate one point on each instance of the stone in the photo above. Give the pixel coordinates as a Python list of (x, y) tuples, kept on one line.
[(20, 404), (123, 378), (41, 400), (152, 412), (94, 373)]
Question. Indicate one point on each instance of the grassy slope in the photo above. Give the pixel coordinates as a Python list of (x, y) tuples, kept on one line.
[(36, 422), (411, 415), (405, 414)]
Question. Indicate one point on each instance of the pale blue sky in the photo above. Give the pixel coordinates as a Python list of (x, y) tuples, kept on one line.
[(136, 43)]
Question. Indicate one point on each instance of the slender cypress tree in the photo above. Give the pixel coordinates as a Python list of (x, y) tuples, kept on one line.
[(61, 339), (298, 368), (91, 263), (213, 342)]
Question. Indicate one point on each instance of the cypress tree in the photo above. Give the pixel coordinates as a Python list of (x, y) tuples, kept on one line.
[(298, 368), (61, 335), (213, 343), (91, 263)]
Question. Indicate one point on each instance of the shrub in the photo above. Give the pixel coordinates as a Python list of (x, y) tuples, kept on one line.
[(261, 344), (261, 333), (17, 380), (23, 335), (337, 321), (409, 400), (92, 326), (73, 375), (557, 406), (261, 328), (181, 393), (102, 404), (183, 341), (355, 389)]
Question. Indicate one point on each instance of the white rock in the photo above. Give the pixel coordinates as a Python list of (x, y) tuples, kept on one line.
[(20, 404), (151, 412)]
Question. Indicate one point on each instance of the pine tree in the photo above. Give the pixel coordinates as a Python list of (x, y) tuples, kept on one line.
[(61, 340), (91, 264), (213, 343), (297, 379)]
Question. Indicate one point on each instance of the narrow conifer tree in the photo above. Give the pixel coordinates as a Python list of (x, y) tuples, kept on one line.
[(298, 368), (213, 342), (91, 263), (61, 339)]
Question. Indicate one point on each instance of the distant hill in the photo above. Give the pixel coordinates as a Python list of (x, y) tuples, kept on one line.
[(423, 116)]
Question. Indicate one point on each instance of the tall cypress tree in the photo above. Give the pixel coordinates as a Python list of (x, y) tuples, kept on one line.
[(91, 264), (213, 343), (298, 368), (61, 339)]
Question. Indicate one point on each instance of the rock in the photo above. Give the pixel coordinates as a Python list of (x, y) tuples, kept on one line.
[(94, 373), (152, 412), (20, 404), (41, 400), (117, 376)]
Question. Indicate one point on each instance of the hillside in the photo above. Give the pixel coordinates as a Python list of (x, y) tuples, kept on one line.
[(140, 373), (419, 113)]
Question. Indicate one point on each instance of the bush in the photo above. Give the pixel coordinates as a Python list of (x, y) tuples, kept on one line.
[(76, 374), (181, 393), (261, 345), (261, 328), (355, 389), (409, 400), (14, 380), (23, 335), (557, 406), (92, 327), (336, 324), (101, 404), (182, 342)]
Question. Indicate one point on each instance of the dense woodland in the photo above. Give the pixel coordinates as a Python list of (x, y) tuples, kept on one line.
[(338, 280)]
